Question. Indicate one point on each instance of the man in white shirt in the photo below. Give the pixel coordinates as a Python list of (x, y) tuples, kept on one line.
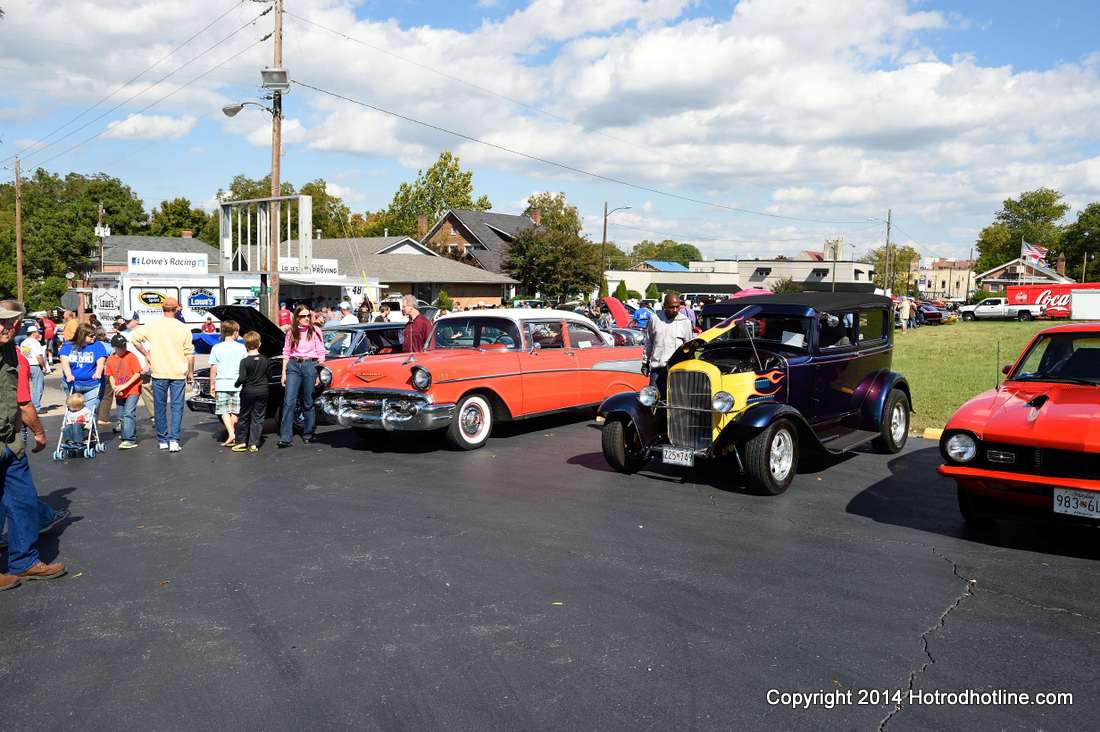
[(666, 331), (346, 316), (35, 353)]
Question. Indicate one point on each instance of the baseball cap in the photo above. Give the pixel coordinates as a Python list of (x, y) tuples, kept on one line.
[(15, 311), (170, 303), (345, 305), (32, 329), (119, 341)]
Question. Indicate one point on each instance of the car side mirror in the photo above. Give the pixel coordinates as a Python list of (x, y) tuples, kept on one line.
[(1006, 368)]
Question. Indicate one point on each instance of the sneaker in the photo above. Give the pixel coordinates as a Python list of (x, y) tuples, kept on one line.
[(162, 445), (239, 447), (281, 445), (127, 445), (42, 571), (253, 449), (174, 446)]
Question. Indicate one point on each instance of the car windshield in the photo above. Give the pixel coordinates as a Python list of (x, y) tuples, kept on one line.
[(477, 332), (339, 343), (786, 330), (1062, 357)]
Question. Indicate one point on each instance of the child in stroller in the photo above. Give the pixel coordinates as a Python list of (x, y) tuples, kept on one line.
[(78, 430)]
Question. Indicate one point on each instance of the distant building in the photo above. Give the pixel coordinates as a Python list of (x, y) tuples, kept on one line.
[(657, 265), (944, 278), (1022, 272), (479, 238)]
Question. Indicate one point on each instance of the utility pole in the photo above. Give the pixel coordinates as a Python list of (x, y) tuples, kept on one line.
[(969, 273), (603, 245), (1085, 268), (886, 259), (834, 244), (272, 283), (18, 234)]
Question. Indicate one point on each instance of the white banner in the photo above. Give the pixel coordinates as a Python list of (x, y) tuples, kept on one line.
[(166, 262), (289, 265)]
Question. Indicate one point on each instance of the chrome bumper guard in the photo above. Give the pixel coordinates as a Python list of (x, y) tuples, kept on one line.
[(396, 410)]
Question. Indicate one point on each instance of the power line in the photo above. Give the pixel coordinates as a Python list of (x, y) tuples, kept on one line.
[(129, 99), (126, 83), (720, 240), (573, 169), (152, 104)]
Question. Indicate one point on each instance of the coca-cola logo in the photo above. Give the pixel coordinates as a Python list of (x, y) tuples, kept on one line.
[(1049, 300), (1021, 296)]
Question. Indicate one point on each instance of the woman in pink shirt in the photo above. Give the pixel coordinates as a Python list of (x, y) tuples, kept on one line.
[(303, 352)]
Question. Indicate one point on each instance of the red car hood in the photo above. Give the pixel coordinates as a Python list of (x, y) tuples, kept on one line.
[(395, 371), (1066, 421)]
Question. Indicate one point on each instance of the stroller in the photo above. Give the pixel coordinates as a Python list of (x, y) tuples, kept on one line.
[(69, 444)]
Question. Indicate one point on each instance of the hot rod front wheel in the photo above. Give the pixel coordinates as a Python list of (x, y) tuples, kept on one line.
[(894, 430), (622, 449), (771, 458)]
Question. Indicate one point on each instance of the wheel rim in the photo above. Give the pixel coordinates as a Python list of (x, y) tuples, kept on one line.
[(781, 456), (897, 423), (473, 422)]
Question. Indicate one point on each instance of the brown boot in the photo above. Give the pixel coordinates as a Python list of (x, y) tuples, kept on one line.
[(8, 581), (42, 571)]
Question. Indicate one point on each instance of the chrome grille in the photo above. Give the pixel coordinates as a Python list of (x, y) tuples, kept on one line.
[(201, 385), (689, 411)]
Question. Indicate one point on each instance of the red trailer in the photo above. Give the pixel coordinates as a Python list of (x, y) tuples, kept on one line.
[(1055, 298)]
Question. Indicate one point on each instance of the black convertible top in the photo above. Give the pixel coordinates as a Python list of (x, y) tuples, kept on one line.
[(825, 301)]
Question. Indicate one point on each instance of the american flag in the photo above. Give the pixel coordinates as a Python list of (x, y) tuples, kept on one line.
[(1031, 251)]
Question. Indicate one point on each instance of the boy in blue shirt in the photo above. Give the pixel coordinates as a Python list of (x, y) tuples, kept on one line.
[(225, 366)]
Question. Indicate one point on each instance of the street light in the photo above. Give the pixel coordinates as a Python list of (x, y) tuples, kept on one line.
[(603, 246), (232, 110)]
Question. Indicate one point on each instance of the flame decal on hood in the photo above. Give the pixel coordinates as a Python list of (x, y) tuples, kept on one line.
[(765, 387)]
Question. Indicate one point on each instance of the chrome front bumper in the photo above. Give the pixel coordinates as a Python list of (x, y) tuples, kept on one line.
[(385, 409)]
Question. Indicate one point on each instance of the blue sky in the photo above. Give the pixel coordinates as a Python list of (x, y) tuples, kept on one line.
[(808, 111)]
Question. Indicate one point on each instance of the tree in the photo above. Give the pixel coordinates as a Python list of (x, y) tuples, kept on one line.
[(172, 217), (902, 261), (555, 213), (1082, 236), (443, 301), (786, 286), (1033, 217), (442, 186), (651, 292), (666, 251), (555, 264), (621, 291), (604, 289), (59, 218)]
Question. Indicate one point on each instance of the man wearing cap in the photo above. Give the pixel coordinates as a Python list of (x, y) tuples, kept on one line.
[(166, 344), (346, 316), (35, 353), (22, 509)]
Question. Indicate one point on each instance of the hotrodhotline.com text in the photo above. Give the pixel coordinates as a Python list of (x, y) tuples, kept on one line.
[(874, 697)]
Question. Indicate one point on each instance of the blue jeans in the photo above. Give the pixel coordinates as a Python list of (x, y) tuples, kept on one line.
[(22, 509), (300, 380), (90, 392), (37, 384), (162, 389), (127, 412)]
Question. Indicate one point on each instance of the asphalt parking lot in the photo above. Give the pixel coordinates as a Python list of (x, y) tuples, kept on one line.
[(397, 585)]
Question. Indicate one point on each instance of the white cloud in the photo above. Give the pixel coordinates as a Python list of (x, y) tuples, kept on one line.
[(150, 127)]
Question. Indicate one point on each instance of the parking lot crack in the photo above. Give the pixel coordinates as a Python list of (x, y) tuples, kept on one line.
[(940, 623), (1041, 606)]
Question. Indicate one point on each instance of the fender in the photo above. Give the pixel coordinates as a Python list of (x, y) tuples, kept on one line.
[(871, 413), (626, 407)]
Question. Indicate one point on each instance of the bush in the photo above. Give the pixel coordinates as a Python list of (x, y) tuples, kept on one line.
[(978, 296), (651, 292), (786, 287), (633, 294), (621, 293), (603, 288), (443, 301)]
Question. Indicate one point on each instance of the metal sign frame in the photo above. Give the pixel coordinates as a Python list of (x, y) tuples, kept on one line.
[(244, 232)]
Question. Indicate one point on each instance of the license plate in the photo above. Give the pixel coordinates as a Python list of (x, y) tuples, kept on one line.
[(1077, 503), (677, 456)]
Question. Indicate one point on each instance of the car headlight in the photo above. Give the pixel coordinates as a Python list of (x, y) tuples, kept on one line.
[(324, 375), (649, 396), (421, 377), (961, 447), (722, 402)]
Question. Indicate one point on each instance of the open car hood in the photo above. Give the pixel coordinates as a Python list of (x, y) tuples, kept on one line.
[(249, 318)]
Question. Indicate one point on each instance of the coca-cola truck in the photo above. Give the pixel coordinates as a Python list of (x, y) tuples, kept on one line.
[(1055, 300)]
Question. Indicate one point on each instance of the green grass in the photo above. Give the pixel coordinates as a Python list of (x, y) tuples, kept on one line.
[(947, 364)]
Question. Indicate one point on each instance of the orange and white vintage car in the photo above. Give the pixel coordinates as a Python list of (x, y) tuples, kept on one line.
[(479, 368)]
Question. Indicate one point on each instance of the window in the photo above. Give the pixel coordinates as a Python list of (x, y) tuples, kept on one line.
[(761, 272), (872, 325), (778, 329), (547, 334), (475, 333), (840, 335), (1062, 357), (583, 336), (820, 272)]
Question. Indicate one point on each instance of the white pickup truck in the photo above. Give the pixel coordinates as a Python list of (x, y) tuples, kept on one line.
[(999, 308)]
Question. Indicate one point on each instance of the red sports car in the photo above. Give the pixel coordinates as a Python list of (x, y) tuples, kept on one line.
[(1032, 445)]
